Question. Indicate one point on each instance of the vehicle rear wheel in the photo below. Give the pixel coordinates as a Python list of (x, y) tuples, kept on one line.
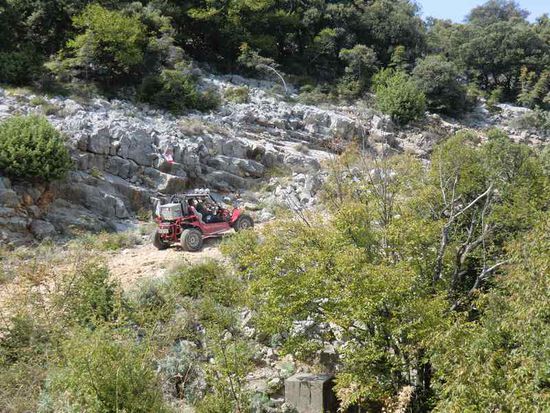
[(243, 222), (158, 242), (191, 240)]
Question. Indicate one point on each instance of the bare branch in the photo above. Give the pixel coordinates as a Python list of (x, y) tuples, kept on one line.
[(446, 228)]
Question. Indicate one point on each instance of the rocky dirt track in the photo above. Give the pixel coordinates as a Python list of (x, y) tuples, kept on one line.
[(133, 266)]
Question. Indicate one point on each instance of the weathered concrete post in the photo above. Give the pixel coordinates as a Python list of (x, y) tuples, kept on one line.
[(311, 393)]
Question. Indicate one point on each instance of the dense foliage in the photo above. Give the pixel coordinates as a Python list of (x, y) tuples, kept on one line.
[(397, 282), (72, 340), (337, 43), (500, 362), (176, 91), (31, 148), (440, 82), (398, 96)]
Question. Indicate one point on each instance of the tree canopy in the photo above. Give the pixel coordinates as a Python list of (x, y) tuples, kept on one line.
[(419, 275), (340, 43)]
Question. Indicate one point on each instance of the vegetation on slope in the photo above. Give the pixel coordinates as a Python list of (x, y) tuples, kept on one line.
[(31, 148), (339, 44), (426, 281), (418, 274)]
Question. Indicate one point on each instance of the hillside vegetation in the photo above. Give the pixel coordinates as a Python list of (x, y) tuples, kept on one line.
[(405, 253), (334, 46), (424, 287)]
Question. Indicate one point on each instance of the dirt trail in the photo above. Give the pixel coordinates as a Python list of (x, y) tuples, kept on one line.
[(133, 266)]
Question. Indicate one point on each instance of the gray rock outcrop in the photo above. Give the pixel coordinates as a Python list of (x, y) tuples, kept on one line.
[(126, 156)]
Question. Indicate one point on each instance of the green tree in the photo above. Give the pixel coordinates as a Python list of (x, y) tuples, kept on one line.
[(440, 82), (494, 11), (20, 67), (535, 91), (398, 96), (403, 245), (110, 46), (31, 148), (391, 24), (176, 91), (361, 65), (500, 361)]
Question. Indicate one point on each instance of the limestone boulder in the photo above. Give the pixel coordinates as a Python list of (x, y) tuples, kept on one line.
[(42, 229)]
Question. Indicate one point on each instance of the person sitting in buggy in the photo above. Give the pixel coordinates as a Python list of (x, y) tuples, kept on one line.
[(203, 212)]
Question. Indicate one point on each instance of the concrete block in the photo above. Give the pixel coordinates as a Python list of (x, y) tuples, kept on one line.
[(311, 393)]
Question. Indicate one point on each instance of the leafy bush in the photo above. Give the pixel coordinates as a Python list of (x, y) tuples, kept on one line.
[(111, 46), (210, 280), (90, 298), (237, 94), (47, 107), (152, 303), (102, 372), (439, 80), (495, 97), (23, 345), (361, 64), (19, 67), (318, 95), (398, 96), (538, 120), (182, 373), (226, 377), (30, 148), (22, 339), (176, 91), (500, 362), (535, 92)]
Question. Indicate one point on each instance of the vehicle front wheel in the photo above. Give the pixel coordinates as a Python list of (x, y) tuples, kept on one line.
[(191, 240), (243, 222), (158, 242)]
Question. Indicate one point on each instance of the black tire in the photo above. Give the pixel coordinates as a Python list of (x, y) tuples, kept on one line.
[(243, 222), (191, 240), (158, 242)]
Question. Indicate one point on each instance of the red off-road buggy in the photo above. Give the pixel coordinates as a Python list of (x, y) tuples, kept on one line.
[(179, 222)]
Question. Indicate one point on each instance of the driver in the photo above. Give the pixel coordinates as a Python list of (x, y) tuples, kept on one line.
[(208, 215)]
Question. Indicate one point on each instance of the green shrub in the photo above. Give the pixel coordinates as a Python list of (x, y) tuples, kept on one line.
[(237, 94), (89, 296), (103, 373), (318, 95), (495, 97), (538, 120), (209, 280), (19, 67), (109, 241), (21, 339), (398, 96), (181, 369), (30, 148), (535, 90), (20, 386), (111, 45), (226, 377), (438, 78), (25, 343), (47, 107), (152, 303), (176, 91)]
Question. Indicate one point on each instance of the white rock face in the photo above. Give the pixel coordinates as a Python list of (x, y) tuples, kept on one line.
[(126, 156)]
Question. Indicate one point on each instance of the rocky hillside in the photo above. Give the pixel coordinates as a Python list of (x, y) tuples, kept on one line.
[(121, 154)]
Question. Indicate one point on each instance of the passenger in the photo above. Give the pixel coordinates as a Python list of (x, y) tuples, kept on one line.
[(193, 209)]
